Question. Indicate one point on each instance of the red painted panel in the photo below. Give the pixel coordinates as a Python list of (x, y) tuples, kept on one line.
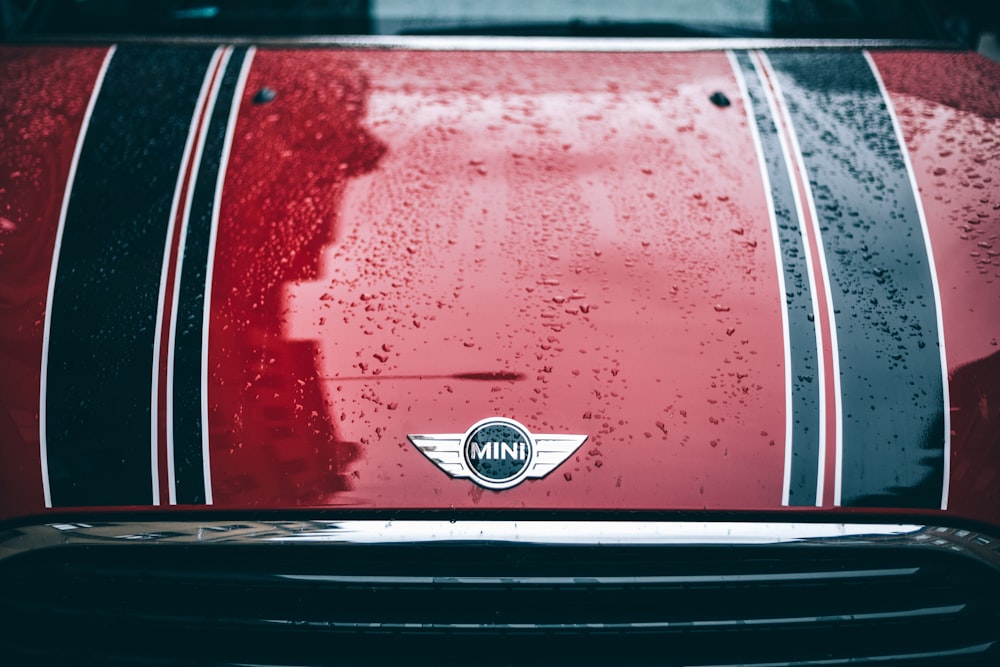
[(411, 242), (43, 97), (949, 111), (274, 441)]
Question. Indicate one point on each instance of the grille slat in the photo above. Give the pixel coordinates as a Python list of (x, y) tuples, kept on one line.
[(164, 620), (947, 656), (643, 582)]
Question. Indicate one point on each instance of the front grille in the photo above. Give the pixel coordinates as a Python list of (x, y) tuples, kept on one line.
[(291, 603)]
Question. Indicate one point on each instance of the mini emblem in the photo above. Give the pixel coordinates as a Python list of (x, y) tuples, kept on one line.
[(497, 453)]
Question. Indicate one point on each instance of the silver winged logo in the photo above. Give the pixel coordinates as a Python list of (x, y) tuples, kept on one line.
[(497, 452)]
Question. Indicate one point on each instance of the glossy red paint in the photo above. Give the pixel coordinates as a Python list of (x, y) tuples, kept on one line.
[(43, 97), (950, 116), (588, 226), (274, 438), (412, 241)]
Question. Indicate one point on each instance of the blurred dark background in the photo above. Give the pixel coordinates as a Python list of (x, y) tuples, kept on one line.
[(960, 21)]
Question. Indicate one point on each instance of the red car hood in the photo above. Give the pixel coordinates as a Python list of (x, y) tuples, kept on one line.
[(722, 268)]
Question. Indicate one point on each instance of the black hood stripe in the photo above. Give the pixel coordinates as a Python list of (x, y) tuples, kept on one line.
[(100, 364), (939, 315), (891, 439), (168, 274), (185, 186), (188, 370), (803, 452), (828, 367), (74, 162)]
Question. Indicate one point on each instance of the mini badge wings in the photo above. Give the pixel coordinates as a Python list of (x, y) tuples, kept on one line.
[(497, 453)]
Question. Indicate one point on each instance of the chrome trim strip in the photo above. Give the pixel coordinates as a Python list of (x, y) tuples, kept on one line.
[(499, 43), (981, 547), (589, 532)]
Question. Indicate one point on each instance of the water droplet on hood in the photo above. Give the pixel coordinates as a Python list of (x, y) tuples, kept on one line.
[(719, 99), (264, 95)]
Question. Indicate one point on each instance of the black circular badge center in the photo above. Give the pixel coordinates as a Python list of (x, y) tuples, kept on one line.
[(497, 451)]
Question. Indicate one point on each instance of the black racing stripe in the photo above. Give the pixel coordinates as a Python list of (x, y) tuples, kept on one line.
[(103, 319), (798, 286), (190, 322), (883, 296)]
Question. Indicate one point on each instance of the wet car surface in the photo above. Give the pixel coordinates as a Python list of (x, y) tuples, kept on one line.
[(407, 343)]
